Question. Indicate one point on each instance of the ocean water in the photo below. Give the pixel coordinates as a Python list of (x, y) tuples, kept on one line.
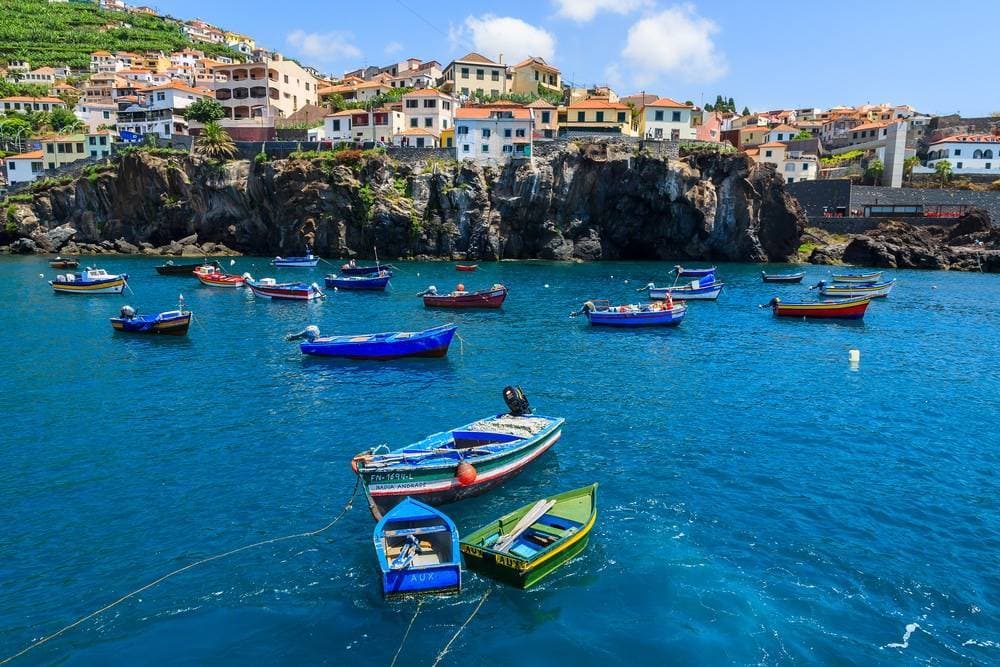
[(760, 500)]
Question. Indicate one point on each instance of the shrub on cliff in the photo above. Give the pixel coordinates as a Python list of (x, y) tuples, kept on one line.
[(214, 142)]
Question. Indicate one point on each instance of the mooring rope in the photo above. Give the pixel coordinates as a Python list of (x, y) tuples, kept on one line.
[(311, 533), (462, 627), (406, 634)]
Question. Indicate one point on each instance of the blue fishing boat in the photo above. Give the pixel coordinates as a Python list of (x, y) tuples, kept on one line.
[(857, 277), (392, 345), (602, 313), (706, 288), (170, 323), (271, 289), (352, 269), (693, 273), (91, 281), (850, 290), (373, 282), (417, 549), (303, 261)]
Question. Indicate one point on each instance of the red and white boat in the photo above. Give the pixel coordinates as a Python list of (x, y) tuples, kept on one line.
[(466, 267), (271, 289), (460, 298), (213, 276)]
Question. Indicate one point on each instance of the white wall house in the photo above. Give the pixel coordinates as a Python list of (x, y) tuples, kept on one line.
[(25, 167), (491, 136), (425, 114), (782, 133), (967, 153), (160, 111), (793, 166), (94, 115), (667, 119), (337, 126)]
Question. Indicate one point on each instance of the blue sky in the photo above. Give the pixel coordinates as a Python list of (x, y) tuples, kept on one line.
[(941, 57)]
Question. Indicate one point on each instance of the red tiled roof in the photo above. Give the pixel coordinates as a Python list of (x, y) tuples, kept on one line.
[(473, 57), (969, 138), (482, 113), (773, 144), (414, 131), (668, 103), (784, 128), (598, 104), (174, 85), (538, 63), (30, 155), (426, 92), (49, 100)]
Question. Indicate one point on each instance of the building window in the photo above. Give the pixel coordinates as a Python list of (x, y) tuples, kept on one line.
[(413, 122), (286, 78), (545, 116), (676, 117), (621, 116), (336, 125), (430, 104), (462, 129), (506, 132), (465, 92), (581, 116), (465, 73), (989, 165), (465, 148), (486, 133), (486, 148), (958, 151), (50, 148), (789, 166), (496, 75), (958, 165), (805, 166), (92, 141), (507, 148), (411, 104), (428, 122), (600, 116), (767, 153), (12, 165), (446, 105), (480, 74), (519, 132), (658, 115)]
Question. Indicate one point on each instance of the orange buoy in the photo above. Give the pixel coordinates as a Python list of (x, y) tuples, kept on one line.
[(466, 473), (460, 287)]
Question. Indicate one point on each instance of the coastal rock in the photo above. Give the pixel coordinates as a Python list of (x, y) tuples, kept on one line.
[(126, 248), (24, 246)]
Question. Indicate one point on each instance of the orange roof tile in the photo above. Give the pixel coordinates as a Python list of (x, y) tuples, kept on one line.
[(174, 85), (42, 100), (668, 103), (773, 144), (426, 92), (969, 138), (482, 113), (784, 128), (538, 63), (599, 104), (30, 155), (419, 131)]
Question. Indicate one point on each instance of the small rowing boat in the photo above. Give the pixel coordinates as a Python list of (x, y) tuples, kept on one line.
[(303, 261), (693, 273), (213, 276), (170, 323), (91, 281), (352, 269), (785, 278), (601, 313), (525, 546), (171, 269), (460, 298), (459, 463), (432, 342), (372, 282), (417, 551), (466, 267), (842, 309), (64, 263), (272, 289), (857, 277), (705, 288), (870, 290)]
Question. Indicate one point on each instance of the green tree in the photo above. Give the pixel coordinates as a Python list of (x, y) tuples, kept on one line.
[(336, 101), (13, 131), (745, 112), (731, 104), (908, 165), (205, 111), (875, 170), (804, 134), (943, 170), (215, 142), (65, 121)]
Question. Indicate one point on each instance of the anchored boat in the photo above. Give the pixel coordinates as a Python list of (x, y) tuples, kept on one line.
[(488, 298), (432, 342), (787, 278), (693, 273), (601, 313), (466, 267), (372, 282), (352, 269), (843, 309), (171, 269), (417, 550), (525, 546), (857, 277), (303, 261), (64, 263), (705, 288), (272, 289), (170, 323), (870, 290), (91, 281), (213, 276), (459, 463)]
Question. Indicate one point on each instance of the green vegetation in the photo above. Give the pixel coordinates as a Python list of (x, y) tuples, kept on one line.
[(802, 136), (152, 150), (25, 198), (908, 165), (806, 248), (696, 146), (402, 186), (722, 104), (842, 159), (215, 143), (205, 110), (367, 198), (10, 224), (58, 33), (12, 89), (520, 98), (261, 157), (416, 226), (943, 170), (874, 171)]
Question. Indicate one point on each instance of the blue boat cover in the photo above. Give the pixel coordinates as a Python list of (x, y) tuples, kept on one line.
[(705, 281)]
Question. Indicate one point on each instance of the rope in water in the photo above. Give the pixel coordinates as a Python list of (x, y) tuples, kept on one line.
[(311, 533), (462, 627), (407, 633)]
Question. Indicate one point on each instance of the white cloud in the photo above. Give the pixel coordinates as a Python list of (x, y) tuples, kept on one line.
[(677, 42), (585, 10), (393, 47), (492, 35), (613, 76), (324, 48)]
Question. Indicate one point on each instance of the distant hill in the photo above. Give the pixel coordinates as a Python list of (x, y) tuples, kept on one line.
[(65, 33)]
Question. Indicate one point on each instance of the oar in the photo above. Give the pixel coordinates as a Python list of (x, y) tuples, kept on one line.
[(533, 515)]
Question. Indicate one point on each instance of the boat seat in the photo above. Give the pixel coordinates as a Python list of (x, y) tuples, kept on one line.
[(541, 539), (558, 522), (393, 551), (423, 530)]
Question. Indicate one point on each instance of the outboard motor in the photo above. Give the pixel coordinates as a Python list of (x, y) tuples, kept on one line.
[(430, 291), (516, 400), (127, 312), (310, 333)]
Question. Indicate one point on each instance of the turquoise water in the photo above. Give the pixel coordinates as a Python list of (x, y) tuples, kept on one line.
[(760, 500)]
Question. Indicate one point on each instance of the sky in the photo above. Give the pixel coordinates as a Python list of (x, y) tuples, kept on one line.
[(939, 57)]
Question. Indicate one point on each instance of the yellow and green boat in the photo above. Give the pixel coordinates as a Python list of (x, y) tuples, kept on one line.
[(525, 546)]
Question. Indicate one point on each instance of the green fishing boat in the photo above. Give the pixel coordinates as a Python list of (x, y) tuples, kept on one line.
[(523, 547)]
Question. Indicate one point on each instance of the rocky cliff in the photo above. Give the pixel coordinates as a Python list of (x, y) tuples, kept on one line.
[(595, 200)]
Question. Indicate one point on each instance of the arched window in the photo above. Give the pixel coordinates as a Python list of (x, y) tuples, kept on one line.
[(977, 154), (988, 154)]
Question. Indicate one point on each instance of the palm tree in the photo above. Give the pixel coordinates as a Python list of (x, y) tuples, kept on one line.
[(215, 142)]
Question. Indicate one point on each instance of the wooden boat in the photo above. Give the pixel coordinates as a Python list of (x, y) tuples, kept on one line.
[(171, 269), (303, 261), (857, 277), (693, 273), (601, 313), (455, 464), (703, 289), (870, 290), (91, 281), (372, 282), (525, 546), (272, 289), (64, 263), (394, 345), (417, 551), (842, 309), (170, 323), (466, 267), (213, 276), (787, 278), (488, 298), (352, 269)]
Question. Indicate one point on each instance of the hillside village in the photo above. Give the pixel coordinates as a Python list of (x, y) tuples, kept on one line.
[(476, 107)]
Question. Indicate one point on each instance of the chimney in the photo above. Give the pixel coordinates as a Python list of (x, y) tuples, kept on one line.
[(501, 59)]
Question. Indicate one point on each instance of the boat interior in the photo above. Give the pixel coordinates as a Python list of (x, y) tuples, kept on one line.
[(418, 543), (560, 522)]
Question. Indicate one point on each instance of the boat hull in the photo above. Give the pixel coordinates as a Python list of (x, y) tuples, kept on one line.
[(430, 343), (857, 278), (359, 283), (439, 485), (64, 263), (169, 326), (365, 270), (708, 293), (178, 269), (294, 263), (783, 279), (848, 290), (283, 293), (114, 286), (507, 570), (438, 579), (462, 267), (694, 273), (664, 318), (484, 299), (850, 309), (416, 548)]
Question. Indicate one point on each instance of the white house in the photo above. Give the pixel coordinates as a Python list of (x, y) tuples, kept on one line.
[(967, 153), (337, 126), (493, 135), (160, 110), (781, 133), (425, 114), (667, 119), (793, 166), (25, 167), (96, 114), (22, 103)]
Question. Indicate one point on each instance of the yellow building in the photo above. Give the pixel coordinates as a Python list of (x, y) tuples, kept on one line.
[(597, 116), (534, 75), (546, 120), (448, 138), (475, 73), (237, 38), (154, 61)]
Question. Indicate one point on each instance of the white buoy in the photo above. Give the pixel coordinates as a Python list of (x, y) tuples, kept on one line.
[(854, 356), (626, 281), (546, 285), (418, 274)]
